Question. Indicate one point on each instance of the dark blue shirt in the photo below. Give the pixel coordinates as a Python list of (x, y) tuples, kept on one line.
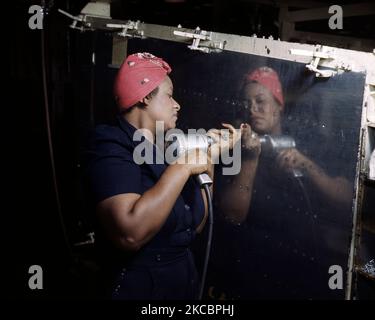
[(111, 170)]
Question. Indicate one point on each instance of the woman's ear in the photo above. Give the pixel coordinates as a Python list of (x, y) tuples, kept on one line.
[(145, 101)]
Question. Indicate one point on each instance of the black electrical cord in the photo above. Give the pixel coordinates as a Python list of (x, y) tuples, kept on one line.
[(209, 239), (50, 144)]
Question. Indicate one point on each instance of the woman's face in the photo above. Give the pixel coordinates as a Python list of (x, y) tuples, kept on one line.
[(162, 106), (264, 110)]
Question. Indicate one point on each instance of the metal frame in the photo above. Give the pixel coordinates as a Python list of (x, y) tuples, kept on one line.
[(357, 60)]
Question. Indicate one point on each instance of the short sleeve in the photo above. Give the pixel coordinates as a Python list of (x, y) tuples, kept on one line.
[(112, 171)]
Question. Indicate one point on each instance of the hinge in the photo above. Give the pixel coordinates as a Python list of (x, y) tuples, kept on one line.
[(198, 36)]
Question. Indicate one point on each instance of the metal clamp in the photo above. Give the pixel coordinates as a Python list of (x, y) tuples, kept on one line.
[(91, 22), (130, 25), (80, 18), (92, 10), (197, 36), (317, 55)]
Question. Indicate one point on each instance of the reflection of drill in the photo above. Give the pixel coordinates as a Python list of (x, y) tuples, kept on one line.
[(275, 144)]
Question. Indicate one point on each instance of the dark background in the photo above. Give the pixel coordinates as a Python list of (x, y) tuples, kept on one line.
[(33, 232)]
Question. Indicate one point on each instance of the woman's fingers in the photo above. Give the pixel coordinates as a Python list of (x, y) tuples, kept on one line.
[(249, 139), (287, 159), (214, 131), (215, 134), (222, 134), (281, 161), (229, 126), (246, 131)]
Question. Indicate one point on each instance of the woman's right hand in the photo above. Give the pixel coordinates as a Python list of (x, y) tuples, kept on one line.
[(196, 161), (249, 140)]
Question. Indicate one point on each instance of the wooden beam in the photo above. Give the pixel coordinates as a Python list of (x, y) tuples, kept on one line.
[(286, 28), (350, 10), (119, 50)]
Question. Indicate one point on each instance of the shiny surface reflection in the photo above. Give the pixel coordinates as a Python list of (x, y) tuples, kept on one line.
[(286, 218)]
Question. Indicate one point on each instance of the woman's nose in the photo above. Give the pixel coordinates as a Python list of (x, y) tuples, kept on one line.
[(176, 105), (254, 108)]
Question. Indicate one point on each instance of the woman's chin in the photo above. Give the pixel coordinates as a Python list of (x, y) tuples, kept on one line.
[(171, 125), (259, 128)]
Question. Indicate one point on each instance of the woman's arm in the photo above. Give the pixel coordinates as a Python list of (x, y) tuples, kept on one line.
[(335, 189), (236, 196), (225, 140), (131, 220)]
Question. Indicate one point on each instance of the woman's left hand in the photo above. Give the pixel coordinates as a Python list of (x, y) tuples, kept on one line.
[(292, 159), (225, 140)]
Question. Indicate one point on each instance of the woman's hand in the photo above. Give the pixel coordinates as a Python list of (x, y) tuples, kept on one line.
[(225, 140), (195, 161), (291, 159), (250, 142)]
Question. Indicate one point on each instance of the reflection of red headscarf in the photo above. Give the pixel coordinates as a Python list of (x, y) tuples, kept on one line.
[(139, 74), (269, 79)]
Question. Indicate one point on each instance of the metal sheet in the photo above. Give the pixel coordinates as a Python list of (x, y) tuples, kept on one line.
[(292, 234)]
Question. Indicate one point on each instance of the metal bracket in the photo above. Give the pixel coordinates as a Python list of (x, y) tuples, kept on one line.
[(92, 22), (317, 55), (80, 18), (130, 25), (93, 9), (197, 36)]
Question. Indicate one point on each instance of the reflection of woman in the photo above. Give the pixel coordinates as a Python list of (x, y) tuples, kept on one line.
[(262, 95), (277, 245)]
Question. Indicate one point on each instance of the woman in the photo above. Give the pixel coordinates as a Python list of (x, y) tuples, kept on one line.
[(148, 214), (278, 246)]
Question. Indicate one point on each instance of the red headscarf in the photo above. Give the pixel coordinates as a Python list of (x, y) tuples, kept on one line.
[(139, 74), (269, 79)]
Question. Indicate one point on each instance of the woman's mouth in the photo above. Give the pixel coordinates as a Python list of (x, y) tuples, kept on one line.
[(256, 119)]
